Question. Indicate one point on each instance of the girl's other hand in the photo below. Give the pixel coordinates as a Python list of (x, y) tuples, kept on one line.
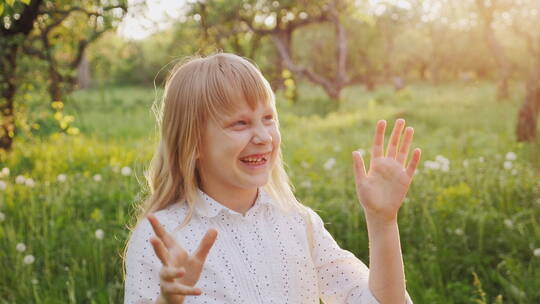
[(180, 271), (382, 190)]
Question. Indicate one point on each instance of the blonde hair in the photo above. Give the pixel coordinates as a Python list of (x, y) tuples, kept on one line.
[(196, 90)]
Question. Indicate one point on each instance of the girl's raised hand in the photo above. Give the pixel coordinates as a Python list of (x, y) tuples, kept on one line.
[(382, 190), (180, 271)]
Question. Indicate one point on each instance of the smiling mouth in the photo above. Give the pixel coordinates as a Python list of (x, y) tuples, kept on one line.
[(256, 160)]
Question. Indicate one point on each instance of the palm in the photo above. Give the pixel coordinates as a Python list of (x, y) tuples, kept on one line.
[(382, 190), (170, 253)]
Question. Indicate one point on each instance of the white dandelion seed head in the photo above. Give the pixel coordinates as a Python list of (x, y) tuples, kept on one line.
[(5, 171), (481, 159), (2, 217), (509, 223), (126, 171), (3, 185), (34, 281), (329, 164), (306, 184), (507, 165), (20, 179), (20, 247), (511, 156), (97, 177), (433, 165), (458, 231), (29, 259), (29, 182), (445, 167), (536, 252), (100, 234), (304, 164), (61, 178), (466, 163)]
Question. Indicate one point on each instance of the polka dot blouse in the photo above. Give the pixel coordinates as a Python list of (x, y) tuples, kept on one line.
[(260, 257)]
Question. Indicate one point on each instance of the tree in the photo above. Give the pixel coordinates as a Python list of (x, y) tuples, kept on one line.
[(54, 32)]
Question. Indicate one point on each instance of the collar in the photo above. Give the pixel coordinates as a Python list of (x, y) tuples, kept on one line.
[(206, 206)]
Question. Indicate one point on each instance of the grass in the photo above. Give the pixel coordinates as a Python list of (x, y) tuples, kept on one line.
[(468, 235)]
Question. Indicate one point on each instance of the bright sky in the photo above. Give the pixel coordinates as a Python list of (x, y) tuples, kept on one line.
[(143, 20)]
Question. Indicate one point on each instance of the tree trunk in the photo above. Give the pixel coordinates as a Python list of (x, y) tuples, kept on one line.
[(83, 74), (9, 88), (10, 44), (528, 114)]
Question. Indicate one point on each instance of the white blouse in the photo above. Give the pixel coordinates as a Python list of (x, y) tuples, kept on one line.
[(262, 257)]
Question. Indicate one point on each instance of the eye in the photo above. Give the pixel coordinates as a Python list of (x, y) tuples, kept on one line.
[(269, 117), (240, 123)]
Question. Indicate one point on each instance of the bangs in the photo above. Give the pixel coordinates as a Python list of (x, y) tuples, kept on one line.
[(232, 82)]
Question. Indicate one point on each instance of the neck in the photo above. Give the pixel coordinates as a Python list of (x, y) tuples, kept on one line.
[(238, 199)]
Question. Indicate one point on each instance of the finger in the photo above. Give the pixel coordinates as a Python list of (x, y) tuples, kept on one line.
[(161, 251), (359, 167), (378, 141), (160, 232), (414, 162), (391, 151), (171, 273), (180, 289), (404, 149), (206, 243)]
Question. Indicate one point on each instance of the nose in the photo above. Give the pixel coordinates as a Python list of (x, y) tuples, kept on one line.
[(261, 135)]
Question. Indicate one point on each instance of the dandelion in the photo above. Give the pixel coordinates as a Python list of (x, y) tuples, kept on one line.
[(97, 177), (459, 231), (5, 172), (29, 259), (481, 159), (432, 165), (20, 179), (445, 167), (34, 281), (329, 164), (61, 178), (20, 247), (466, 164), (30, 183), (304, 164), (3, 185), (100, 234), (2, 217), (536, 252), (306, 184), (507, 165), (126, 171), (511, 156), (509, 223)]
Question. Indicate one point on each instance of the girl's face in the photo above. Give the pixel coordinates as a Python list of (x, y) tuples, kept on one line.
[(240, 151)]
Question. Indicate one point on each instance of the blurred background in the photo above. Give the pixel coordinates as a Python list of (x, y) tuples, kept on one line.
[(78, 80)]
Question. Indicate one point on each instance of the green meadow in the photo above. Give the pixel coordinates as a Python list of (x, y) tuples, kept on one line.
[(470, 226)]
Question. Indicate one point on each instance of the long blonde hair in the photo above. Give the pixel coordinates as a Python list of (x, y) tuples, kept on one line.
[(196, 90)]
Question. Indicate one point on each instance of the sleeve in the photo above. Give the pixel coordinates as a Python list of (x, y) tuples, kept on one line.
[(342, 277), (142, 267)]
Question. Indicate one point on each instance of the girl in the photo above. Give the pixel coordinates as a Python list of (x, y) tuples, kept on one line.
[(221, 223)]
